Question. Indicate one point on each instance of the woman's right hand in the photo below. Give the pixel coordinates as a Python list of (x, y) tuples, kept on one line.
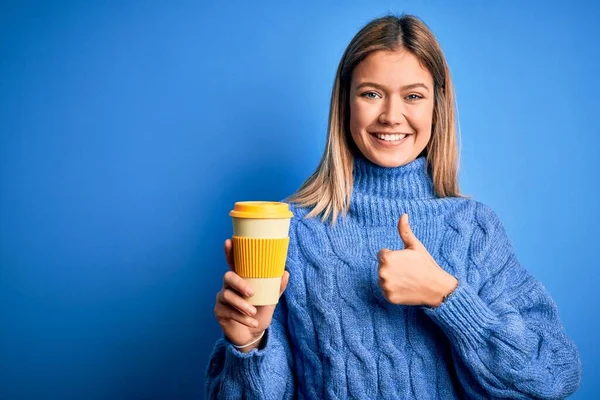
[(240, 321)]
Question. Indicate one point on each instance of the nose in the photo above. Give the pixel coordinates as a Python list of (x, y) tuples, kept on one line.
[(392, 112)]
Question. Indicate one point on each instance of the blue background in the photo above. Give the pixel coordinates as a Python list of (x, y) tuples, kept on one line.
[(128, 129)]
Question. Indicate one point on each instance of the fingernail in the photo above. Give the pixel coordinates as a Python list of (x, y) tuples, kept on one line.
[(249, 291), (255, 323), (252, 310)]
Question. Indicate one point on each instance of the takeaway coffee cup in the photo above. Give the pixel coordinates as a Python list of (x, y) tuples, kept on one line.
[(260, 245)]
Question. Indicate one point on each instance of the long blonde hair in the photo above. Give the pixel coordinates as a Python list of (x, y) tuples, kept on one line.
[(329, 189)]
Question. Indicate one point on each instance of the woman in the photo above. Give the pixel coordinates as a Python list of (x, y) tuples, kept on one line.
[(450, 313)]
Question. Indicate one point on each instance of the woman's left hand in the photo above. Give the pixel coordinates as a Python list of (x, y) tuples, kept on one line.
[(411, 276)]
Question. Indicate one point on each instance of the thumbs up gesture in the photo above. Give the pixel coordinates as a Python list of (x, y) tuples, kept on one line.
[(411, 276)]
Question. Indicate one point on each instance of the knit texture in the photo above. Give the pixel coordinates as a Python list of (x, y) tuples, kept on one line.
[(335, 336)]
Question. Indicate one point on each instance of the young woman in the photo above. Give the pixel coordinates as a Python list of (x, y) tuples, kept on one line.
[(377, 305)]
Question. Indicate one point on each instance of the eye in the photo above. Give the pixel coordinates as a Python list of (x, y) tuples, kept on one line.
[(370, 95), (414, 96)]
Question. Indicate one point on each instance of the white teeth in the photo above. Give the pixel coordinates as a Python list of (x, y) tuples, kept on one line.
[(390, 138)]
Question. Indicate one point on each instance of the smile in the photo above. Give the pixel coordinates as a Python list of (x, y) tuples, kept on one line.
[(390, 138)]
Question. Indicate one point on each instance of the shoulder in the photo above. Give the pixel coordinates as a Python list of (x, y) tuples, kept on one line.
[(299, 212), (487, 220), (299, 219), (473, 214), (304, 232), (489, 240), (478, 224), (467, 216)]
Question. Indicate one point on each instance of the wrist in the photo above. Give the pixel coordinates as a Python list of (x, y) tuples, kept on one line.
[(252, 344), (249, 348), (444, 287)]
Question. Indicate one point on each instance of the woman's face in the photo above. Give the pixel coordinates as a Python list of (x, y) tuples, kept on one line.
[(391, 107)]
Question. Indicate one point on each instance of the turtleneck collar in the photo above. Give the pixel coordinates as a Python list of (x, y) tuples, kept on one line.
[(380, 195), (406, 182)]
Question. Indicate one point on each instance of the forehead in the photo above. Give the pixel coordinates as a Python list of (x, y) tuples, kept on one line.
[(391, 68)]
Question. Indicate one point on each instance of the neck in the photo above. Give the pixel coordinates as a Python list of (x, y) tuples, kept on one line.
[(380, 195)]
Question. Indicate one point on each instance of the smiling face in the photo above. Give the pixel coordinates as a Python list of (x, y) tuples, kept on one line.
[(391, 107)]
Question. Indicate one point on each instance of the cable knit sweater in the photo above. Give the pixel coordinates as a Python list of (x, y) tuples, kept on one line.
[(334, 335)]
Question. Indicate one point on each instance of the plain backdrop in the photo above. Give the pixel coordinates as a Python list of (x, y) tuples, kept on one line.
[(129, 128)]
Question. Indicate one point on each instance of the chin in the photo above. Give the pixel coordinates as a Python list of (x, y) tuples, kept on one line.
[(391, 162)]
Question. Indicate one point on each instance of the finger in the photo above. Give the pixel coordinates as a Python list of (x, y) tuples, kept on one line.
[(284, 282), (229, 253), (231, 298), (381, 255), (237, 283), (229, 313)]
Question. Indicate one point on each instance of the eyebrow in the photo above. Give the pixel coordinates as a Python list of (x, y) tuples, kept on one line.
[(381, 87)]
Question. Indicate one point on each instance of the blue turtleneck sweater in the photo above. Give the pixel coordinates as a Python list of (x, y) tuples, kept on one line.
[(334, 335)]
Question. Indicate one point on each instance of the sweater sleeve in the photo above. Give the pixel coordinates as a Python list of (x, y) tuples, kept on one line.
[(264, 373), (506, 336)]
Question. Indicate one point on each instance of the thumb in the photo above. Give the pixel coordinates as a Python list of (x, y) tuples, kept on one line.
[(407, 235), (284, 282)]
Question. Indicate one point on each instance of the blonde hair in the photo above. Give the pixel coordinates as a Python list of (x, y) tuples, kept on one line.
[(329, 189)]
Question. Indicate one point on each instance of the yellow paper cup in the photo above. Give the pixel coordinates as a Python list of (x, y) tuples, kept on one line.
[(260, 245)]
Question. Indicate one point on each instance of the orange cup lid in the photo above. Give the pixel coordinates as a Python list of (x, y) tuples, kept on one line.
[(261, 209)]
